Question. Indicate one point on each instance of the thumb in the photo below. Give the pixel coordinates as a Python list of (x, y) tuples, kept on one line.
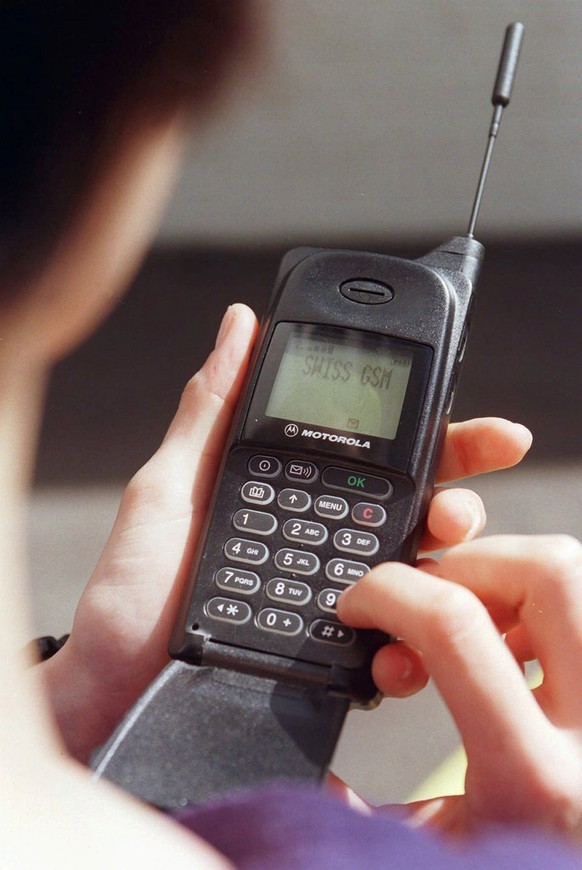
[(178, 479)]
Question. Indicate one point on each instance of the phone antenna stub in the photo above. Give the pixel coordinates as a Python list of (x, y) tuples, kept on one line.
[(500, 99)]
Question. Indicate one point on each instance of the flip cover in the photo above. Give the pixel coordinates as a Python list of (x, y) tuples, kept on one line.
[(201, 731)]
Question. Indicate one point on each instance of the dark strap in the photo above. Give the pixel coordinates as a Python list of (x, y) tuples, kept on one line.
[(199, 731), (43, 648)]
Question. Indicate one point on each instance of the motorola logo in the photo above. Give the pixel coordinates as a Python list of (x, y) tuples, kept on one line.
[(291, 430)]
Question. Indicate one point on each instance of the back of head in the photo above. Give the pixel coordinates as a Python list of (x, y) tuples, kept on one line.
[(77, 79)]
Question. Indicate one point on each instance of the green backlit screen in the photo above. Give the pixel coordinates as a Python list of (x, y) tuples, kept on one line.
[(354, 382)]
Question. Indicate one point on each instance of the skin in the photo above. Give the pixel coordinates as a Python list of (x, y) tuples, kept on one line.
[(474, 619), (61, 710)]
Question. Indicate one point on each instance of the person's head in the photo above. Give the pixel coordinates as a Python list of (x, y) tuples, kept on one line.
[(94, 96)]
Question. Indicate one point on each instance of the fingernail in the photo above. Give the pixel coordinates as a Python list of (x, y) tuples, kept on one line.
[(526, 432), (475, 524), (225, 325), (405, 670)]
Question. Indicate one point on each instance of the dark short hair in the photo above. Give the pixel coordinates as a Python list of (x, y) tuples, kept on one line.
[(75, 77)]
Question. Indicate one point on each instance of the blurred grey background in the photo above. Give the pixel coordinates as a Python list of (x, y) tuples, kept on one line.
[(364, 127)]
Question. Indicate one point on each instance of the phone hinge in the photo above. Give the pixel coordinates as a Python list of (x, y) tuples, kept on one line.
[(356, 685), (264, 665)]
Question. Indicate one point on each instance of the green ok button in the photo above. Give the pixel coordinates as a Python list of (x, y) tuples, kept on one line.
[(349, 480)]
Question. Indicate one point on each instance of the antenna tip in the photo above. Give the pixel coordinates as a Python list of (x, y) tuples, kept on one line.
[(508, 64)]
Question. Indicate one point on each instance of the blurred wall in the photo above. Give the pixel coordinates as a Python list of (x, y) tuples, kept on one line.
[(369, 118)]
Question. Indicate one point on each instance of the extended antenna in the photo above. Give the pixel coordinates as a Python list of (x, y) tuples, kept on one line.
[(500, 99)]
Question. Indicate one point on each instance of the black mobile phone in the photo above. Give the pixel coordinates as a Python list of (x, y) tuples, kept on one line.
[(331, 462)]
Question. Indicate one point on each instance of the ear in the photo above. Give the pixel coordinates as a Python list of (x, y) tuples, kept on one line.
[(99, 255)]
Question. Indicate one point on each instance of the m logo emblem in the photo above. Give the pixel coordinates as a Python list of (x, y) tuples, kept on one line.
[(291, 430)]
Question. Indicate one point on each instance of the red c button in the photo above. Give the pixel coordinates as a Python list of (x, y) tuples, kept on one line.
[(365, 514)]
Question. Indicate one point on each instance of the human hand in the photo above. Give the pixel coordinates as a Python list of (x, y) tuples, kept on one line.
[(476, 617), (119, 637), (123, 621)]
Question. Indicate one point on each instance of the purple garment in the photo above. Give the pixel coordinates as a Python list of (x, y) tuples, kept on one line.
[(293, 828)]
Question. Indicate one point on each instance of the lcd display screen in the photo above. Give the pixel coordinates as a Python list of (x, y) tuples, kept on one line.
[(345, 380)]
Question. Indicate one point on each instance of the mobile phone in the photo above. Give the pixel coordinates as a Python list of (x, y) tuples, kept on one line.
[(331, 462)]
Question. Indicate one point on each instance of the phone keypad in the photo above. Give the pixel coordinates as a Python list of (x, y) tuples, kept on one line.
[(323, 530), (345, 571), (327, 600)]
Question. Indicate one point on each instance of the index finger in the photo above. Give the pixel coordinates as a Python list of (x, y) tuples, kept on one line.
[(474, 671), (482, 445)]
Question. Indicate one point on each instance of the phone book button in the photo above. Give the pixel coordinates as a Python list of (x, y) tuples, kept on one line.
[(254, 492)]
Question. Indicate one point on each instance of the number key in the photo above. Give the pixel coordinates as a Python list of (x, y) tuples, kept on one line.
[(297, 561), (279, 621), (258, 522), (288, 591), (252, 552), (237, 580), (345, 571), (327, 599), (305, 532), (352, 541)]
